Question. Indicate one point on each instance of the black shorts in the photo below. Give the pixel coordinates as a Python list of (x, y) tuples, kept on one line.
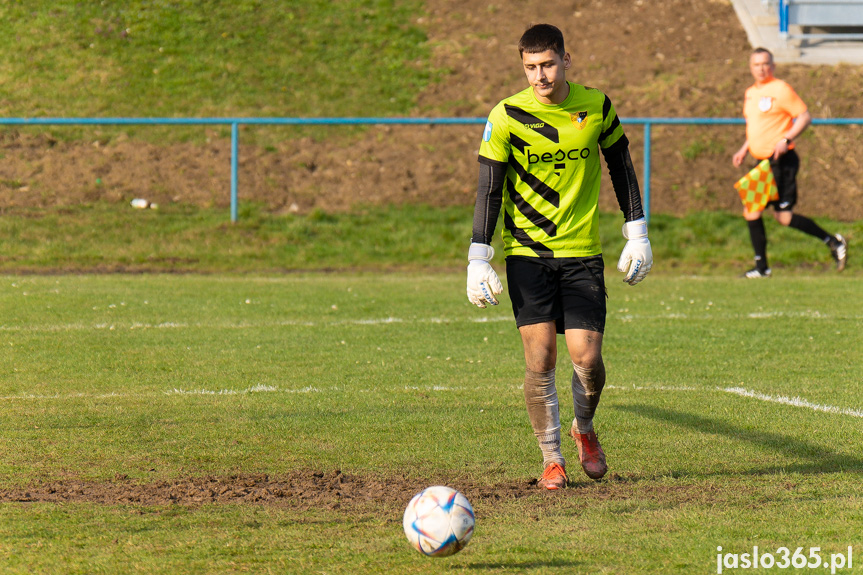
[(567, 291), (785, 173)]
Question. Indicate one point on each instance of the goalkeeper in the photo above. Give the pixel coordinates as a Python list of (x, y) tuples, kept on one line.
[(539, 162)]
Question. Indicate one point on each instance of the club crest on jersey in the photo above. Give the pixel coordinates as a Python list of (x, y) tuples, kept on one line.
[(765, 103), (486, 135), (579, 120)]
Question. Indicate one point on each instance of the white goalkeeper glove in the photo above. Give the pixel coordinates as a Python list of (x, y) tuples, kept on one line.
[(636, 259), (482, 281)]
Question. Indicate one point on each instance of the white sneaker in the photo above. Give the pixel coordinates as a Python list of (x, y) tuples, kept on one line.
[(757, 273), (840, 252)]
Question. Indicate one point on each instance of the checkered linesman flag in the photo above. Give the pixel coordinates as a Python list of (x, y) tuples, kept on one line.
[(757, 187)]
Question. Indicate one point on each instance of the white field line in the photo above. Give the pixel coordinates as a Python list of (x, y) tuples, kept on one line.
[(261, 388), (95, 326), (709, 314), (793, 401), (655, 387), (621, 316), (70, 396), (742, 392), (246, 324)]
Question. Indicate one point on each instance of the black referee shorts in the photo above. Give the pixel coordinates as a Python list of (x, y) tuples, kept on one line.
[(567, 291), (785, 173)]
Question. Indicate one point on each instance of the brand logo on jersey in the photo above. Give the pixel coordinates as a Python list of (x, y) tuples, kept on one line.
[(579, 120), (535, 126), (486, 135), (558, 156), (765, 103)]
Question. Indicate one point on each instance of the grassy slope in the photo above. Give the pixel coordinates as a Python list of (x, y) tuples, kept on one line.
[(105, 238), (187, 58)]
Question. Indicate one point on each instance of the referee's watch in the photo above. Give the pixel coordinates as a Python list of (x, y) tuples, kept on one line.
[(787, 140)]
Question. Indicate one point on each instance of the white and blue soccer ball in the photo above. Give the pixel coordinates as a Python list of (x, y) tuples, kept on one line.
[(439, 521)]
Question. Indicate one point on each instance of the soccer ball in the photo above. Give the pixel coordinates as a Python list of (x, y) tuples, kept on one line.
[(439, 521)]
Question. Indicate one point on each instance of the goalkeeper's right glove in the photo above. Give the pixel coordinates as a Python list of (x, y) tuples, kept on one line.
[(482, 281)]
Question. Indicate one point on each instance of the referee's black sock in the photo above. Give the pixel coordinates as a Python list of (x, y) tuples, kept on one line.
[(807, 226), (759, 243)]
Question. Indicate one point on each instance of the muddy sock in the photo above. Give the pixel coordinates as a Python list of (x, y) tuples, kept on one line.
[(540, 394), (587, 386), (807, 226), (759, 242)]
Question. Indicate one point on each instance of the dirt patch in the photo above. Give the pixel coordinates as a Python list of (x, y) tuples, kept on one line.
[(300, 489), (678, 58), (307, 489)]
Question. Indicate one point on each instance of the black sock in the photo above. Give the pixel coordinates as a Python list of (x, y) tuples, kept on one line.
[(759, 242), (807, 226)]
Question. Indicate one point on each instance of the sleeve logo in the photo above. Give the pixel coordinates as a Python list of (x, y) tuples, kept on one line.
[(486, 135), (579, 120)]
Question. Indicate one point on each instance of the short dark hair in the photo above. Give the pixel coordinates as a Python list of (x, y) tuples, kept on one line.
[(763, 51), (541, 37)]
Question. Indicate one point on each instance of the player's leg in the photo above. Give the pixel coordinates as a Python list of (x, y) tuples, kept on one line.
[(583, 301), (836, 243), (540, 396), (588, 380), (588, 377), (785, 172), (532, 285), (758, 237)]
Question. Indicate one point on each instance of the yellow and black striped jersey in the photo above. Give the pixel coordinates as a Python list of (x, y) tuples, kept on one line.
[(551, 192)]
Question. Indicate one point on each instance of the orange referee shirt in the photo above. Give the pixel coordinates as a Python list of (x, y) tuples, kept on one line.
[(769, 110)]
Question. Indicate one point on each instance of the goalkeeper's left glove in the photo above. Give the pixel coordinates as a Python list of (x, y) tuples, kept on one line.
[(482, 281), (636, 259)]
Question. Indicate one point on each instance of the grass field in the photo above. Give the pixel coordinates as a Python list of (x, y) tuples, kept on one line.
[(730, 419)]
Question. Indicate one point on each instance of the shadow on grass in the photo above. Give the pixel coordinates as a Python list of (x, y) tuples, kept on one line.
[(820, 458)]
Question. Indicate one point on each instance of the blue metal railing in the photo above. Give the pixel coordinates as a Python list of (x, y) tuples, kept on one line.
[(822, 14), (235, 123), (648, 122)]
